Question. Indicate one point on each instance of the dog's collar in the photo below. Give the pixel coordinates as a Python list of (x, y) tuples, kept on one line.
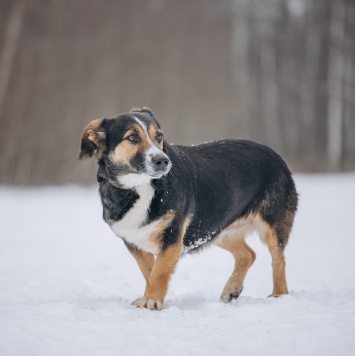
[(100, 179)]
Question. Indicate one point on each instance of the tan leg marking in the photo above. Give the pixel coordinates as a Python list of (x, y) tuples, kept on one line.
[(244, 258), (163, 268), (145, 261), (278, 263)]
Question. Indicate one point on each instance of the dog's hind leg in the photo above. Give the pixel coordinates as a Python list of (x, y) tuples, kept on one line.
[(244, 257), (276, 249)]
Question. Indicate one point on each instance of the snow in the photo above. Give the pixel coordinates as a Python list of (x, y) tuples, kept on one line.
[(66, 283)]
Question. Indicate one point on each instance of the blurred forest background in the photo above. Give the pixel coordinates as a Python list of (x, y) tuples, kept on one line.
[(280, 72)]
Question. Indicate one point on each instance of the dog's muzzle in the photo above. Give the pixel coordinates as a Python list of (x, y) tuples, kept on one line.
[(160, 164)]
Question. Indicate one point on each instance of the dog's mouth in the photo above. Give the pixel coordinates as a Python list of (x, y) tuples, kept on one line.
[(158, 175), (142, 176)]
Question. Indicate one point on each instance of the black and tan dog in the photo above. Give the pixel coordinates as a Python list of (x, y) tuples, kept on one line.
[(165, 200)]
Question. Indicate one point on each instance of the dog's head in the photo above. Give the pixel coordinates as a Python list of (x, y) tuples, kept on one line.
[(129, 148)]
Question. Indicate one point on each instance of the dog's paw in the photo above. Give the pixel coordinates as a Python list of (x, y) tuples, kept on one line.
[(150, 304), (277, 295), (229, 294)]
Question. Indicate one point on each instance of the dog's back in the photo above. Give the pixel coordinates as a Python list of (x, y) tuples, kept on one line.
[(232, 180)]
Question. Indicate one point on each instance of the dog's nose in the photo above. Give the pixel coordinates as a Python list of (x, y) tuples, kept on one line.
[(160, 162)]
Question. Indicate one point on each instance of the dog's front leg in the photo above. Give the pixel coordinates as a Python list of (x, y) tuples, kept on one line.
[(163, 267), (157, 285), (145, 261)]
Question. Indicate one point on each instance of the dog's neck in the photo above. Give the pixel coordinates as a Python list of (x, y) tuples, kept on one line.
[(116, 185)]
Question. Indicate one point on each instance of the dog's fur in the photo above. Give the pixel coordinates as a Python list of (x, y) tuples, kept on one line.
[(166, 200)]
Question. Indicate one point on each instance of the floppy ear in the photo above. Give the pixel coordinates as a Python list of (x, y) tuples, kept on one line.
[(93, 140)]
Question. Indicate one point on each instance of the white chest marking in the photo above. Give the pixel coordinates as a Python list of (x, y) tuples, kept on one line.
[(130, 226)]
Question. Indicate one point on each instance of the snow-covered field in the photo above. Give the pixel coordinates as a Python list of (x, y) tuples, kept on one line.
[(66, 283)]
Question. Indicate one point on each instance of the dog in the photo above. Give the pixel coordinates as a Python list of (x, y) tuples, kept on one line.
[(167, 200)]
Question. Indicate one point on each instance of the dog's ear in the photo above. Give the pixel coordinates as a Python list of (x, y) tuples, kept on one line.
[(143, 109), (93, 139)]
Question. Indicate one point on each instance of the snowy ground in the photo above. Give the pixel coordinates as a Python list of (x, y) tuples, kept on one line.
[(66, 283)]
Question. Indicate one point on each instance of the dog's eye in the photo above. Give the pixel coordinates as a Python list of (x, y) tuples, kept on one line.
[(133, 138), (159, 137)]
